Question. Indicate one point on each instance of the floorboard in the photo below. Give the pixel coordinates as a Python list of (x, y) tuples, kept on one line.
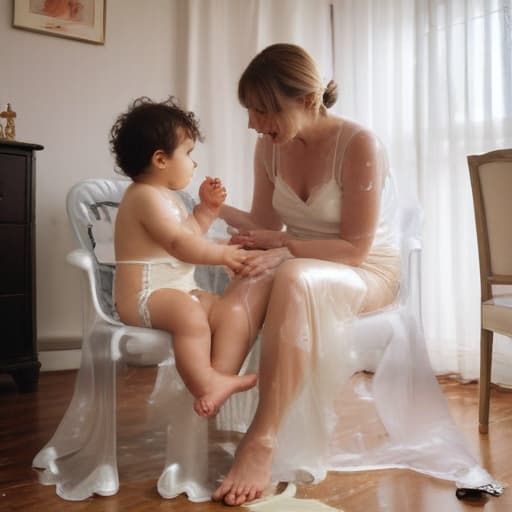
[(27, 421)]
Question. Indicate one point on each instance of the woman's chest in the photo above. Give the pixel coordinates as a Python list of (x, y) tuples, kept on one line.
[(304, 172)]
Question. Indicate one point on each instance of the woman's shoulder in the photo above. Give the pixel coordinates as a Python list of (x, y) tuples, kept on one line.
[(352, 135), (343, 132), (357, 147), (348, 128)]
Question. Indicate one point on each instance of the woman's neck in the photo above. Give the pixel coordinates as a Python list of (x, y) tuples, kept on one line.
[(316, 128)]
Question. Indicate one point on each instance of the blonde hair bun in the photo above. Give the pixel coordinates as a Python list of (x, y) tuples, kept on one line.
[(330, 95)]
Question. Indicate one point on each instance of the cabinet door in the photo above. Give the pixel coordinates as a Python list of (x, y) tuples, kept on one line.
[(13, 258), (13, 188), (16, 333)]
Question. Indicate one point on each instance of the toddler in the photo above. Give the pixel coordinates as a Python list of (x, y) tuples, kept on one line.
[(157, 244)]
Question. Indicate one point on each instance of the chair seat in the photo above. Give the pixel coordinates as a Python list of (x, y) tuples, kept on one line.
[(497, 314)]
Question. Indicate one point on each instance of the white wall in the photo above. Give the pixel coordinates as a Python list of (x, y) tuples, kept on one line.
[(67, 94)]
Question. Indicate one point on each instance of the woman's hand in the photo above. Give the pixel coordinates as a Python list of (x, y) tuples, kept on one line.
[(260, 239), (212, 193), (234, 257), (260, 262)]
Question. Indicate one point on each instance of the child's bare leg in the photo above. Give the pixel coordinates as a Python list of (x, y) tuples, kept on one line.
[(187, 320)]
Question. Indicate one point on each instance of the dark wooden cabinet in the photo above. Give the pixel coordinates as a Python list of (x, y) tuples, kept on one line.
[(18, 328)]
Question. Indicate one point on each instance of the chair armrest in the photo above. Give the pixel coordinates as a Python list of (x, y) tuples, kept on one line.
[(80, 258), (414, 247), (413, 244), (83, 260)]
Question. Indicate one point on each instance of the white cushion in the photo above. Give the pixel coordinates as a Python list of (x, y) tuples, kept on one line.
[(497, 314)]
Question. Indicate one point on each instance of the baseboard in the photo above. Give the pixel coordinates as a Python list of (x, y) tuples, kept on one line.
[(57, 360), (57, 354), (59, 343)]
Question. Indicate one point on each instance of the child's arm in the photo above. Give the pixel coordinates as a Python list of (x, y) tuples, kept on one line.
[(162, 225)]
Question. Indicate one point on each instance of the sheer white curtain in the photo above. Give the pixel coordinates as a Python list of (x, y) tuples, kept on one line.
[(432, 77), (434, 80), (218, 38)]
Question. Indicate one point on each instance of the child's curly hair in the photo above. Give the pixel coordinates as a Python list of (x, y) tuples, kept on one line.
[(146, 127)]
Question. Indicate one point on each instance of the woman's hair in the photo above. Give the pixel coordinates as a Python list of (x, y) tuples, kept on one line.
[(283, 70), (146, 127)]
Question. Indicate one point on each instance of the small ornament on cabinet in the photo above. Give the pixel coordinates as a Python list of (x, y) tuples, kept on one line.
[(10, 127)]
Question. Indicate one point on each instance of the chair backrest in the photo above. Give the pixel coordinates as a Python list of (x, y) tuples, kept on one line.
[(406, 220), (92, 208), (491, 183), (409, 225)]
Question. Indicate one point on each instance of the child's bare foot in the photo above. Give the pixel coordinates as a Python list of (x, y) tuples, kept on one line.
[(221, 387), (250, 473)]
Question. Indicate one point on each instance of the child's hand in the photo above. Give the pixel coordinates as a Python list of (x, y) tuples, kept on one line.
[(234, 257), (212, 193)]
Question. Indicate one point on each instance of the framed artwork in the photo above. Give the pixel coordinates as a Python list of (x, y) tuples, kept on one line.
[(83, 20)]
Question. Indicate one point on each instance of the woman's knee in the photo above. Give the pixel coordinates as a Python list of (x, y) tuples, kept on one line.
[(298, 277), (291, 275)]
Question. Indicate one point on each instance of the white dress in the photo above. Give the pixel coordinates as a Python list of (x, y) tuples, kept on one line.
[(344, 419)]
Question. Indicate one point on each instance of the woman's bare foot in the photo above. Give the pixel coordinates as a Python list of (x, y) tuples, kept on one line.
[(250, 473), (220, 388)]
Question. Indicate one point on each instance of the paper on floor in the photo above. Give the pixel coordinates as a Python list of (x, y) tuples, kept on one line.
[(286, 502)]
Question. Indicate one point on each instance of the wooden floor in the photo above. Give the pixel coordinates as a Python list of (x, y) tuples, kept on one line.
[(27, 421)]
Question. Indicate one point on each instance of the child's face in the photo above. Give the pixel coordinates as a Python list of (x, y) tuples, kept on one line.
[(180, 166)]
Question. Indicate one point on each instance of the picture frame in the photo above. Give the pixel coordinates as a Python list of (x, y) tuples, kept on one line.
[(82, 20)]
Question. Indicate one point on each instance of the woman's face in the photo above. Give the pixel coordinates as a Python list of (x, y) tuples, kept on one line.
[(281, 126)]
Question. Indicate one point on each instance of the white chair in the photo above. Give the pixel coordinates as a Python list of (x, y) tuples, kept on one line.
[(491, 182), (81, 457)]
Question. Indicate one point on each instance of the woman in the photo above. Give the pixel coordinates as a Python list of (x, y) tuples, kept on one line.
[(322, 177)]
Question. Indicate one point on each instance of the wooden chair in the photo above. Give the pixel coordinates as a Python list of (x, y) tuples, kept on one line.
[(491, 183)]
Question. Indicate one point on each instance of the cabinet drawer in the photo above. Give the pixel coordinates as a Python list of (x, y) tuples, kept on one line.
[(16, 333), (13, 259), (13, 188)]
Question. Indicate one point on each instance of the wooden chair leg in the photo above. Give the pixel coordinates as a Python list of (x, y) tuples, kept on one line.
[(486, 339)]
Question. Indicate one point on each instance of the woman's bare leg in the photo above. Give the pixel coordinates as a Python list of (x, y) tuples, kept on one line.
[(281, 367), (236, 320), (285, 354), (187, 320)]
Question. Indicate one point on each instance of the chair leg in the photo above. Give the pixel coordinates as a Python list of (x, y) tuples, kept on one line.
[(486, 339)]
